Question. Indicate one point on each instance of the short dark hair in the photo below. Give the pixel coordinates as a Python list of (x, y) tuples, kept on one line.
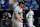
[(5, 10), (21, 3)]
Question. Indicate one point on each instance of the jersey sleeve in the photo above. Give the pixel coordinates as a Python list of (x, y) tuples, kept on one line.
[(33, 15), (9, 15), (16, 10), (22, 12), (27, 14)]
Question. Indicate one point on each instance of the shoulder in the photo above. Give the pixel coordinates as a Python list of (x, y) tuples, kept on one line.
[(17, 8), (32, 12), (8, 13)]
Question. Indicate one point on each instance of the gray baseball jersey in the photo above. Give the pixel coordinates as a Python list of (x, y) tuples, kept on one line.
[(15, 21)]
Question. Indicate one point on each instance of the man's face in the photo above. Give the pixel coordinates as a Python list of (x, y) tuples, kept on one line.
[(29, 9), (22, 5), (5, 13)]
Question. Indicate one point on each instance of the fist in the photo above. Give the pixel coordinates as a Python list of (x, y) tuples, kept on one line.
[(33, 19), (21, 20)]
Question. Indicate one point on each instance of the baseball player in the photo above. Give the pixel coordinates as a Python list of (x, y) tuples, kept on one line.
[(30, 18), (6, 15), (6, 19), (18, 16)]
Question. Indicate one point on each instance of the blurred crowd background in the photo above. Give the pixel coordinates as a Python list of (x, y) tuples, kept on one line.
[(11, 4)]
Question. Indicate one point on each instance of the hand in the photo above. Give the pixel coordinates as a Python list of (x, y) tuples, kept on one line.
[(26, 18), (23, 11), (21, 20), (21, 17), (33, 19)]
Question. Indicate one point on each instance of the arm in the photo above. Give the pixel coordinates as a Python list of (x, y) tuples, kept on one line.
[(18, 18), (9, 15), (27, 16), (33, 17), (21, 17), (16, 14)]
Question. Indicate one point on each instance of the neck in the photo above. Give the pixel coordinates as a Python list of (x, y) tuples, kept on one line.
[(14, 1), (20, 6), (30, 10)]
